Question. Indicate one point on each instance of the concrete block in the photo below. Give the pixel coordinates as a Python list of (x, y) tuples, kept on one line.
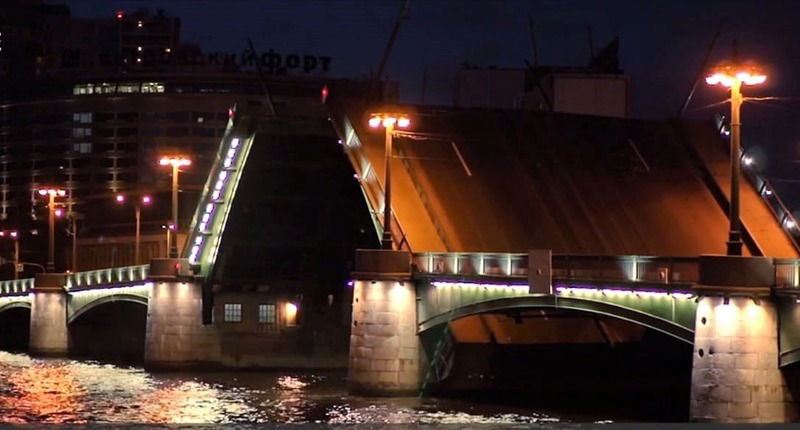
[(747, 361), (386, 352), (358, 363), (722, 360), (391, 365), (409, 353), (720, 394), (767, 360), (373, 341), (383, 330), (771, 412), (387, 318), (742, 394), (744, 410), (387, 377)]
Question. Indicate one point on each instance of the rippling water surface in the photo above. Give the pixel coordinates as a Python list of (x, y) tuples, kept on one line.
[(68, 391)]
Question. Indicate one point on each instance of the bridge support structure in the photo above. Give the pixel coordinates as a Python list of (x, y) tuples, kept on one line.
[(175, 336), (49, 333), (735, 369), (384, 348)]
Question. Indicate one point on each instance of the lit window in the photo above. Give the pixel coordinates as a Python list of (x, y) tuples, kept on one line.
[(81, 132), (128, 87), (83, 148), (266, 314), (82, 117), (232, 312), (290, 313), (152, 87)]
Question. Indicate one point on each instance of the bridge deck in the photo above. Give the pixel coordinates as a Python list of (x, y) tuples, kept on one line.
[(573, 184)]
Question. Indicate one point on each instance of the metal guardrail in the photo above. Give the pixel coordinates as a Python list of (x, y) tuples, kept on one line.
[(16, 286), (630, 268), (108, 276)]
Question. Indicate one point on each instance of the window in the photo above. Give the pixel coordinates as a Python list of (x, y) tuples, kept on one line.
[(232, 312), (201, 131), (177, 131), (83, 148), (266, 313), (81, 132), (290, 313), (151, 131), (152, 87), (82, 117)]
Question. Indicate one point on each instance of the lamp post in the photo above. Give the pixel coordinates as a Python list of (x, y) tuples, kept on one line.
[(734, 76), (52, 193), (176, 162), (15, 237), (169, 227), (143, 200), (389, 121)]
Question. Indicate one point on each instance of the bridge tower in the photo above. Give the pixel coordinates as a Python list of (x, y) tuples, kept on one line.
[(49, 334), (384, 348), (735, 369)]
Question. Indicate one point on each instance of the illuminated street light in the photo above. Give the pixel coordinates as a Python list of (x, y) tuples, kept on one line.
[(176, 162), (142, 200), (52, 193), (733, 76), (388, 121)]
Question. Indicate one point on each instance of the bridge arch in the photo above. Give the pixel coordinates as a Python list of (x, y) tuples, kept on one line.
[(101, 300), (529, 302), (15, 320), (22, 303)]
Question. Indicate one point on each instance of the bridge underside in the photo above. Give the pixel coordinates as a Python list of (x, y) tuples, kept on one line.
[(567, 360)]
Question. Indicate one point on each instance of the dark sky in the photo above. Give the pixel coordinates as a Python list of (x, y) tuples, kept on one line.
[(662, 45)]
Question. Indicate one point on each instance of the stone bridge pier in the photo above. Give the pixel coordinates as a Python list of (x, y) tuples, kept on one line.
[(736, 376), (384, 348), (49, 333), (176, 336)]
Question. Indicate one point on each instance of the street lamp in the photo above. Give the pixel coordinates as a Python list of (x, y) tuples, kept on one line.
[(13, 235), (733, 76), (52, 193), (389, 121), (143, 200), (169, 227), (176, 162)]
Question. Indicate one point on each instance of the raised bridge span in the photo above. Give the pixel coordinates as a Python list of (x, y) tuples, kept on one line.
[(603, 195)]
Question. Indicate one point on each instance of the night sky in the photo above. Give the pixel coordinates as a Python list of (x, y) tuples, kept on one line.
[(662, 45)]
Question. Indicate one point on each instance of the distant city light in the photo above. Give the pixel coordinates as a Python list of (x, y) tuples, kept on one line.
[(120, 198), (147, 200), (120, 15), (747, 160)]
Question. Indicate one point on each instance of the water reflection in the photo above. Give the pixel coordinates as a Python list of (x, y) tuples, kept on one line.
[(67, 391)]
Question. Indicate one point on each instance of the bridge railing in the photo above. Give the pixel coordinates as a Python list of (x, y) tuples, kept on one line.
[(108, 276), (15, 286), (787, 272), (632, 268)]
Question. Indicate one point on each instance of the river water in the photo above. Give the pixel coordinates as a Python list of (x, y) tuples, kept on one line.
[(70, 391)]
